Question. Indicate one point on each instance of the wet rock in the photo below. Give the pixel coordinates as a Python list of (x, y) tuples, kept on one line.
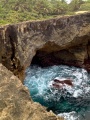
[(15, 100), (67, 81), (60, 83)]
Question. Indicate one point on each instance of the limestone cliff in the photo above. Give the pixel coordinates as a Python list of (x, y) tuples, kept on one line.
[(66, 38), (15, 101)]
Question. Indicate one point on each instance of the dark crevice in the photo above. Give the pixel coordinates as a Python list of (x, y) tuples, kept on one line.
[(12, 36), (45, 59), (87, 61), (12, 47)]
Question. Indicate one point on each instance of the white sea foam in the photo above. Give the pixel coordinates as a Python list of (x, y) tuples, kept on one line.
[(69, 116), (74, 116), (39, 81)]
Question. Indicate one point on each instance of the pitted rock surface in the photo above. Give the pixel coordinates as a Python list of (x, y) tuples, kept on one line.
[(68, 37), (15, 101)]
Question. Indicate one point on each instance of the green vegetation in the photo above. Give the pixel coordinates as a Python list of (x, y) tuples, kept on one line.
[(13, 11)]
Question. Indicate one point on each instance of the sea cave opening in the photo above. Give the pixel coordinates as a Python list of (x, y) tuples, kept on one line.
[(61, 87)]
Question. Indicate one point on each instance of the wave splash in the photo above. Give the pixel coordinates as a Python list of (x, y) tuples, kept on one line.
[(71, 102)]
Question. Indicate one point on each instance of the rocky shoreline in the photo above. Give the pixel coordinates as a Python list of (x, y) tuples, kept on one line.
[(15, 100), (64, 40)]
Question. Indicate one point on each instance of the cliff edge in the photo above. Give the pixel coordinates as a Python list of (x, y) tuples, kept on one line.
[(67, 38), (15, 100)]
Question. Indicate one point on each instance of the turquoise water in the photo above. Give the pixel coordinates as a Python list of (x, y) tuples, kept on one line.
[(68, 101)]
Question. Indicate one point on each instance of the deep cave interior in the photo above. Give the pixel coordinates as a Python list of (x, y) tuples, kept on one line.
[(51, 54), (65, 57)]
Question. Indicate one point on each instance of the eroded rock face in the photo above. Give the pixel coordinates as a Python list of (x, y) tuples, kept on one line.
[(68, 38), (73, 56), (15, 101)]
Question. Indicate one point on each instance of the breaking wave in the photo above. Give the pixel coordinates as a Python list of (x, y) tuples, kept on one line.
[(71, 102)]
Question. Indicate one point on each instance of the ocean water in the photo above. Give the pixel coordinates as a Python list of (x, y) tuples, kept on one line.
[(71, 102)]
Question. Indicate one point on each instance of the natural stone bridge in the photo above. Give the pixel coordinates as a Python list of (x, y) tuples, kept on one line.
[(69, 35), (64, 40)]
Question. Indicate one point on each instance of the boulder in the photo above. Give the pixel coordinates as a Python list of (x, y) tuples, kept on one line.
[(59, 84), (67, 81)]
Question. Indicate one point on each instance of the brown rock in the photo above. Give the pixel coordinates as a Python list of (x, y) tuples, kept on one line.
[(20, 42), (15, 101), (67, 81), (59, 84)]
